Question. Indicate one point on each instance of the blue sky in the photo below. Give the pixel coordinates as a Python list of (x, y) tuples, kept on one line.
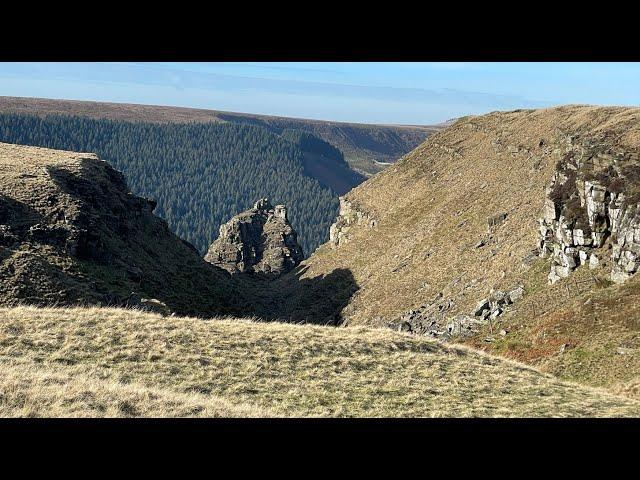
[(395, 93)]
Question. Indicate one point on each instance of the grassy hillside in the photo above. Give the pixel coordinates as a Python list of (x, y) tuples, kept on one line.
[(28, 390), (123, 362), (582, 328), (424, 238), (364, 146)]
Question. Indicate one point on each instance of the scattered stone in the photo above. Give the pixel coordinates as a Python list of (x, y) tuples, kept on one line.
[(481, 307), (530, 258), (148, 304), (496, 220), (462, 325), (516, 294), (404, 327), (624, 351)]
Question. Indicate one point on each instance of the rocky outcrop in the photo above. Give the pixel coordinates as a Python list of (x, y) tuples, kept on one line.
[(591, 206), (435, 318), (348, 217), (260, 240), (72, 233)]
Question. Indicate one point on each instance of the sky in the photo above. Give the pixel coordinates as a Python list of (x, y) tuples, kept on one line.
[(384, 93)]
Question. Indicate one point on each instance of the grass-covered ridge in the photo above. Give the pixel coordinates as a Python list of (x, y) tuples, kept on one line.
[(118, 358)]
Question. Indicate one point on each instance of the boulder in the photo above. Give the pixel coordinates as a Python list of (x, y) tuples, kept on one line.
[(462, 325), (148, 304), (516, 294), (496, 220), (481, 307)]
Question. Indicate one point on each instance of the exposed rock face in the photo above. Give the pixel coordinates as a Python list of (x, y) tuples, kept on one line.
[(348, 217), (259, 240), (435, 318), (592, 202), (72, 233)]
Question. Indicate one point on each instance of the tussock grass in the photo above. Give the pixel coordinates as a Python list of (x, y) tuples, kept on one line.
[(28, 390), (92, 361)]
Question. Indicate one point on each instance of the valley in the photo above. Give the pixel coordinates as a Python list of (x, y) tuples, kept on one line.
[(490, 271)]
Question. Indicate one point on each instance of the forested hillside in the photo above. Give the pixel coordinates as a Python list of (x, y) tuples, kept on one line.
[(200, 173), (366, 148), (324, 162)]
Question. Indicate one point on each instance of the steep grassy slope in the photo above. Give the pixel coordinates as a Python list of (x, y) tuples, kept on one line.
[(119, 362), (363, 145), (583, 328), (419, 234)]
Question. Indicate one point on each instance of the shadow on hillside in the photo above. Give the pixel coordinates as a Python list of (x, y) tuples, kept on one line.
[(18, 215), (318, 300), (94, 181), (156, 265)]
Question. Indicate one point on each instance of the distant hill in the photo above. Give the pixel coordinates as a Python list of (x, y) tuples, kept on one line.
[(366, 148)]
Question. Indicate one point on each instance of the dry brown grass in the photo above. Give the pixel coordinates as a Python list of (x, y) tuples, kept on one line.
[(109, 362), (582, 328), (29, 390), (432, 207)]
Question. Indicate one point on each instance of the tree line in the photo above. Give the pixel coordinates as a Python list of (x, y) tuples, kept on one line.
[(201, 174)]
